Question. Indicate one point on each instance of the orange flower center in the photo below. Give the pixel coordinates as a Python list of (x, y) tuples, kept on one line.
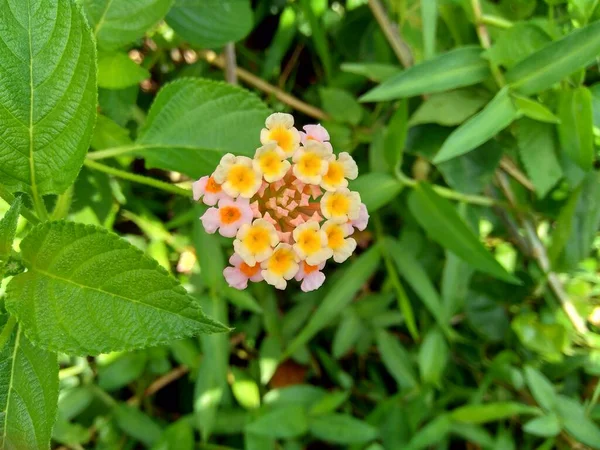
[(230, 214), (309, 269), (212, 186), (249, 271)]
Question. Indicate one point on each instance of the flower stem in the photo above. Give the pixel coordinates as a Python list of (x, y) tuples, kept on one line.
[(138, 178)]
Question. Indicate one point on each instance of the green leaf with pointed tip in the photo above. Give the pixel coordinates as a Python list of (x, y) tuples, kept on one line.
[(491, 412), (342, 429), (28, 390), (541, 388), (496, 116), (396, 360), (8, 228), (576, 128), (460, 67), (47, 94), (87, 291), (117, 23), (556, 61), (376, 189), (194, 122), (211, 23), (534, 110), (443, 224)]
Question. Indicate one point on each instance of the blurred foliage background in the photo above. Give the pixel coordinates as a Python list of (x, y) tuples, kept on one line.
[(468, 319)]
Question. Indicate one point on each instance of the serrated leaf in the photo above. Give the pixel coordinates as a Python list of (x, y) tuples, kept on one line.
[(557, 60), (87, 291), (460, 67), (537, 150), (47, 95), (342, 429), (339, 296), (491, 412), (117, 23), (496, 116), (28, 390), (118, 71), (193, 122), (211, 23), (575, 130), (8, 228), (443, 224)]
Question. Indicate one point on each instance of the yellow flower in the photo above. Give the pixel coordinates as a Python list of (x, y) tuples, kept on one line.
[(270, 161), (339, 172), (281, 266), (237, 177), (280, 128), (341, 205), (311, 243), (311, 162), (254, 243), (338, 241)]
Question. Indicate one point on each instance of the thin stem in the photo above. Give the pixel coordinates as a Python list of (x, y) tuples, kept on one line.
[(448, 193), (400, 48), (114, 151), (594, 399), (25, 212), (484, 39), (496, 21), (39, 206), (138, 178), (230, 63), (254, 81)]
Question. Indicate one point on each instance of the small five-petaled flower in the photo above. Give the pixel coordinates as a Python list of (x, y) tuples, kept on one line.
[(287, 218)]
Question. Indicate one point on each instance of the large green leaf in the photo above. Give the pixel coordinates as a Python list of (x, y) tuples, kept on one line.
[(211, 23), (457, 68), (576, 127), (88, 291), (450, 108), (557, 60), (118, 71), (28, 390), (443, 224), (193, 122), (47, 94), (117, 23), (497, 115), (8, 228)]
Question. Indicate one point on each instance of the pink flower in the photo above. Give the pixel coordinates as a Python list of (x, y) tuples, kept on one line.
[(315, 133), (209, 189), (237, 276), (228, 217), (363, 218), (311, 276)]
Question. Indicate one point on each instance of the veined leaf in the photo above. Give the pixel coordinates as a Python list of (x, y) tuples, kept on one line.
[(457, 68), (28, 390), (193, 122), (116, 23), (8, 228), (87, 291), (211, 23), (557, 60), (576, 128), (497, 115), (443, 224), (47, 95)]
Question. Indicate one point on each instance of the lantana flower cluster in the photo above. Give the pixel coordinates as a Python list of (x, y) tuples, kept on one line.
[(288, 209)]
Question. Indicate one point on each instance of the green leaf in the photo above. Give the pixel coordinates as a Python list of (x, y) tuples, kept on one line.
[(575, 130), (117, 23), (347, 334), (547, 339), (211, 23), (496, 116), (545, 426), (563, 227), (341, 105), (432, 433), (245, 390), (433, 357), (595, 91), (429, 17), (118, 71), (187, 126), (486, 316), (376, 189), (282, 423), (136, 424), (450, 108), (209, 253), (329, 403), (557, 60), (8, 228), (374, 71), (286, 31), (457, 68), (541, 389), (28, 390), (88, 291), (123, 370), (396, 360), (318, 35), (537, 150), (534, 110), (395, 135), (342, 429), (179, 435), (338, 297), (443, 224), (516, 44), (47, 95), (491, 412), (575, 421)]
